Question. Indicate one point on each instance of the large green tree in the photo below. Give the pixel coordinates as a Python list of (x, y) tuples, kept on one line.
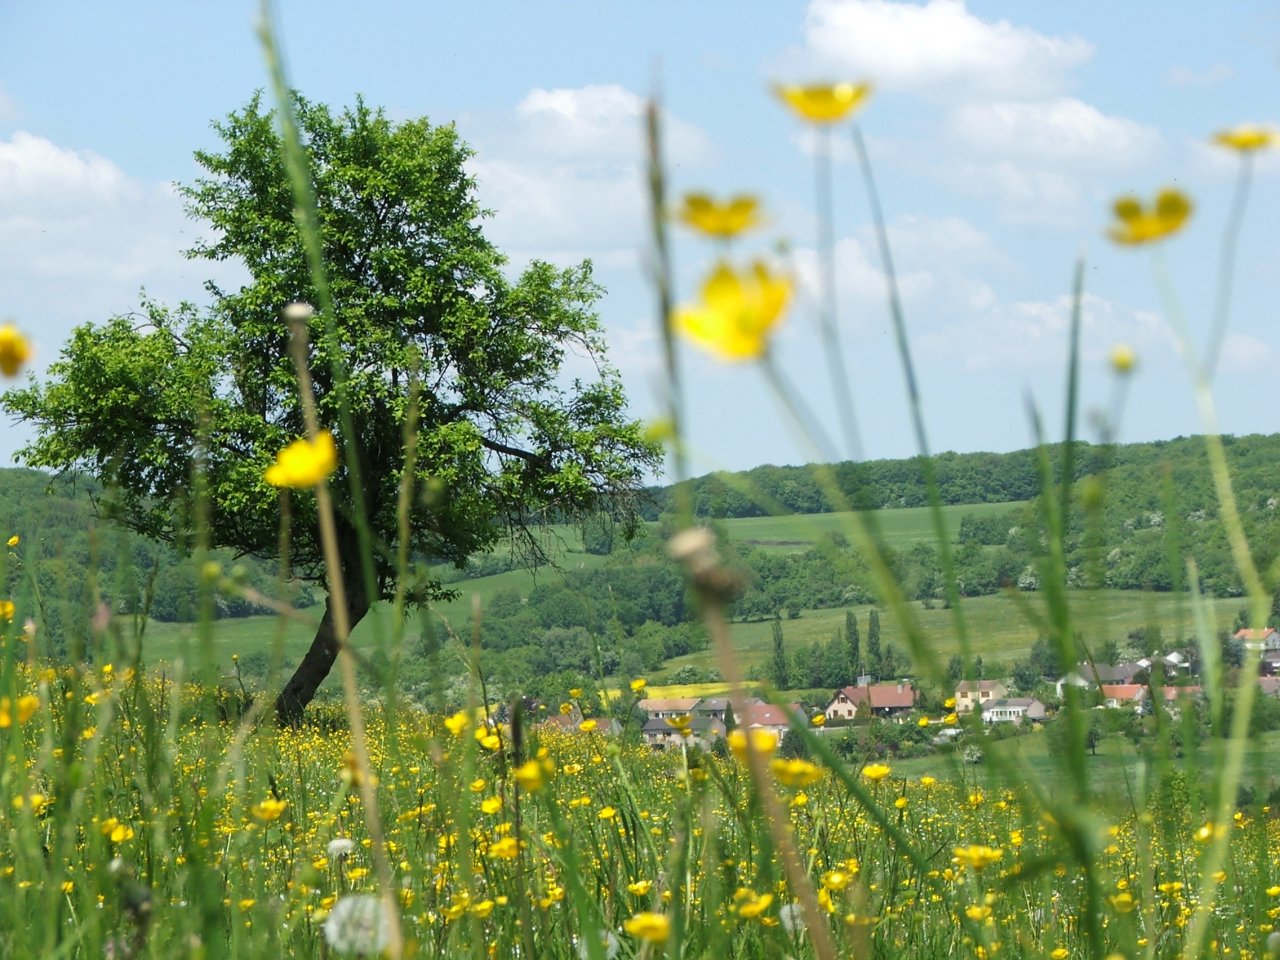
[(149, 402)]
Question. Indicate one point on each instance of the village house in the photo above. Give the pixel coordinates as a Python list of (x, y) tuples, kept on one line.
[(765, 716), (1086, 676), (1268, 637), (1115, 695), (1171, 664), (976, 694), (661, 733), (661, 709), (890, 701), (1013, 710)]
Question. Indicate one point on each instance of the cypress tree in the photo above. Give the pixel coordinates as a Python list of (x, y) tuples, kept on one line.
[(873, 641), (778, 670), (854, 642)]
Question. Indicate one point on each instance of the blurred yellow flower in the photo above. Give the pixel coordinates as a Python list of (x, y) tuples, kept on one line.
[(1137, 223), (836, 879), (20, 712), (7, 610), (796, 772), (977, 856), (737, 311), (304, 463), (763, 743), (268, 810), (1247, 138), (14, 350), (508, 848), (875, 772), (457, 722), (529, 775), (640, 888), (824, 103), (587, 726), (14, 540), (115, 831), (649, 927), (723, 220), (819, 719), (751, 905), (638, 684), (1123, 358), (1122, 902)]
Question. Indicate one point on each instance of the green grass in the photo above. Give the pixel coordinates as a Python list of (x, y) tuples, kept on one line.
[(901, 528), (997, 627), (1116, 771)]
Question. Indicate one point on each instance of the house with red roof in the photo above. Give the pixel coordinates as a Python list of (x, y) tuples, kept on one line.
[(1116, 695), (890, 701)]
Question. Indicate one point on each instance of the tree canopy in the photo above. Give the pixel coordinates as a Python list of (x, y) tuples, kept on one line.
[(169, 401)]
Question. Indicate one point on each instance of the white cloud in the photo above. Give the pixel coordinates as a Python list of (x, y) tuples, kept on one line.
[(1243, 352), (564, 175), (1027, 334), (1043, 163), (953, 241), (1060, 133), (79, 237), (1208, 77), (939, 50)]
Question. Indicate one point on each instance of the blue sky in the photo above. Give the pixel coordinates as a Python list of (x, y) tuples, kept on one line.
[(1000, 133)]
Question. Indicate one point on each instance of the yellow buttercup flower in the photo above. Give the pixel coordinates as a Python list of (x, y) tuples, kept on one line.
[(508, 848), (1248, 138), (638, 684), (1137, 223), (587, 726), (875, 772), (737, 311), (796, 772), (304, 463), (269, 809), (14, 350), (7, 610), (721, 220), (14, 540), (836, 879), (819, 719), (649, 927), (824, 103)]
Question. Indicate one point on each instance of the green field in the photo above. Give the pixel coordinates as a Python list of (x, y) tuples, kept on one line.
[(901, 528), (1115, 773), (996, 625)]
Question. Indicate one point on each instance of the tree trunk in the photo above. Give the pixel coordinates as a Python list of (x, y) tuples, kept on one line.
[(315, 666)]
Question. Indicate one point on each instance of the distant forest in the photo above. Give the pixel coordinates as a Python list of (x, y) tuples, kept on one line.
[(1151, 506), (974, 478)]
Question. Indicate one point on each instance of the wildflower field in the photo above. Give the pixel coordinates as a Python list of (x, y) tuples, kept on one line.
[(158, 807)]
